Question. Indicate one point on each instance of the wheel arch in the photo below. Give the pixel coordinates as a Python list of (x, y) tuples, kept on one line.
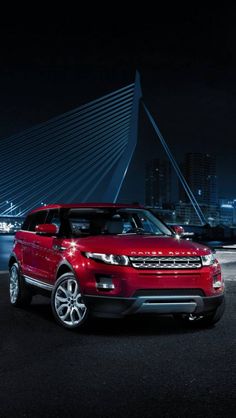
[(13, 259), (63, 268)]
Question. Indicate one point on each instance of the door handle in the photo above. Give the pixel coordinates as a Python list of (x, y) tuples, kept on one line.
[(59, 247)]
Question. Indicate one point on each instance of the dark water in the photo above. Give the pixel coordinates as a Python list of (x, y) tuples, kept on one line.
[(6, 242)]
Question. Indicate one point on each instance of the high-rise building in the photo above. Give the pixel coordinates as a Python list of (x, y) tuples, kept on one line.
[(199, 171), (157, 183), (228, 212)]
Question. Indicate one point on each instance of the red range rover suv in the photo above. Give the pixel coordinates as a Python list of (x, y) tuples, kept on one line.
[(112, 260)]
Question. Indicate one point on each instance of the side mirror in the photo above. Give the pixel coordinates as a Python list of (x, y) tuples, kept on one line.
[(46, 229), (178, 230)]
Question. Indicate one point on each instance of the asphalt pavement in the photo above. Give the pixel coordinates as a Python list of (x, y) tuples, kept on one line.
[(134, 367)]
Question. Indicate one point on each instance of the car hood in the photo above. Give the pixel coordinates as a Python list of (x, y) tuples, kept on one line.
[(141, 245)]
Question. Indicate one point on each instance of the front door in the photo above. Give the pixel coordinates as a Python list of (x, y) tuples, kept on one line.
[(46, 255)]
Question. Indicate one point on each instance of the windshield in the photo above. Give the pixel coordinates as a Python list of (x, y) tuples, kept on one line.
[(115, 221)]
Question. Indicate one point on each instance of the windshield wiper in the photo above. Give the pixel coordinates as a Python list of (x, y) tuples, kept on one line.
[(139, 231)]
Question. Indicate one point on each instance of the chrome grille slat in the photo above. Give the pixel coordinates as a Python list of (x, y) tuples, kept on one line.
[(153, 262)]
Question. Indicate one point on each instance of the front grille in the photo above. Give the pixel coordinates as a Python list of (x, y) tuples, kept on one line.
[(157, 263)]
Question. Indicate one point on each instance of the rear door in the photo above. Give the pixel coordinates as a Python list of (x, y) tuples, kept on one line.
[(27, 241)]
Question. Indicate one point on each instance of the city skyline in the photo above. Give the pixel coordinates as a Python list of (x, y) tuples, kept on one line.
[(158, 185)]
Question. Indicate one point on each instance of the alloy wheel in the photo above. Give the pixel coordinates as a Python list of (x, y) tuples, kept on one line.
[(68, 303), (14, 284)]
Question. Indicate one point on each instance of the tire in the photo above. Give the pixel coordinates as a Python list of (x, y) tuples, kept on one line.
[(20, 294), (204, 320), (68, 306)]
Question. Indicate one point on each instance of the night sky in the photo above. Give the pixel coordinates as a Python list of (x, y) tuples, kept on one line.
[(187, 62)]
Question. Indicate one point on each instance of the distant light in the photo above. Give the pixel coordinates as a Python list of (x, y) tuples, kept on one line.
[(226, 206), (5, 227)]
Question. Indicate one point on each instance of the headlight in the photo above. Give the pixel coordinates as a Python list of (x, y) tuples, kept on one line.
[(119, 260), (208, 260)]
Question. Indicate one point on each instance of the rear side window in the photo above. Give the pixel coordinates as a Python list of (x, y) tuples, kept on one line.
[(33, 220), (26, 223)]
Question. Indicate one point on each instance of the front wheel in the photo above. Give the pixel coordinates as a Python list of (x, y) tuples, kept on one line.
[(68, 306), (203, 320), (20, 294)]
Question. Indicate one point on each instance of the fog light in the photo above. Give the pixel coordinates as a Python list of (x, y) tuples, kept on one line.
[(104, 283)]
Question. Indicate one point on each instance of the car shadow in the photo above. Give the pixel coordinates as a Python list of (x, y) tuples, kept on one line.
[(135, 325)]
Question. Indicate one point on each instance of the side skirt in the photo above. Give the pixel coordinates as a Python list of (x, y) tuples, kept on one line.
[(38, 286)]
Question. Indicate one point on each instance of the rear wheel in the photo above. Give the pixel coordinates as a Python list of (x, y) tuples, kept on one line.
[(20, 294), (203, 320), (68, 306)]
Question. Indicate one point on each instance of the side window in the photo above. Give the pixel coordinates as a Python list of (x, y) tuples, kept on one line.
[(54, 218), (36, 219)]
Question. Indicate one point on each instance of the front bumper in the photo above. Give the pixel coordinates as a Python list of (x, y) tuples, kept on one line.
[(127, 280), (105, 306)]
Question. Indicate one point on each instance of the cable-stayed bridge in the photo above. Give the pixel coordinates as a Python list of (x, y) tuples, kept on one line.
[(80, 156)]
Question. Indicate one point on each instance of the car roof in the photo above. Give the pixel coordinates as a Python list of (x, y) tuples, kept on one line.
[(86, 205)]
